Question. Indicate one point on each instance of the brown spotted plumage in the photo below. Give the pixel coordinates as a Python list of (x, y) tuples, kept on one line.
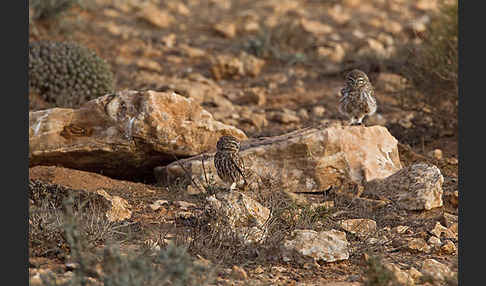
[(229, 165), (357, 99)]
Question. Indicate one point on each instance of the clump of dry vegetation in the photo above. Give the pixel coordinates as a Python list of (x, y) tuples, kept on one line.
[(74, 230), (48, 220), (432, 66), (222, 245), (287, 42), (45, 9), (169, 266)]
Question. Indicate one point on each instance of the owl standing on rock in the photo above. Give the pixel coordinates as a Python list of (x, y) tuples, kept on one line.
[(228, 163), (357, 99)]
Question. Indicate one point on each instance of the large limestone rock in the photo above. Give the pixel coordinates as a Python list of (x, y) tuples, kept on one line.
[(306, 160), (309, 245), (123, 134), (417, 187), (202, 90), (244, 216)]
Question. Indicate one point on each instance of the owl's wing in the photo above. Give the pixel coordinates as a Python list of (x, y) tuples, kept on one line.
[(367, 94), (239, 165)]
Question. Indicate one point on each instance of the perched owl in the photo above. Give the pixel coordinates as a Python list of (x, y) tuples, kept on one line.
[(357, 99), (229, 165)]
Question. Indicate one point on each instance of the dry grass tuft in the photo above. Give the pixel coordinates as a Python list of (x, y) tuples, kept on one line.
[(432, 66), (49, 218), (223, 246), (78, 229)]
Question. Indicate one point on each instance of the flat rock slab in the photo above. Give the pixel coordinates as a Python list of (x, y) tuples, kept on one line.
[(306, 244), (124, 134), (306, 160)]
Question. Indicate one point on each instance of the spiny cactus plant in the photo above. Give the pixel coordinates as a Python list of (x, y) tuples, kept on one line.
[(67, 74)]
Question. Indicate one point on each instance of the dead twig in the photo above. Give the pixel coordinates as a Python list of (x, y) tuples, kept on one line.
[(188, 174)]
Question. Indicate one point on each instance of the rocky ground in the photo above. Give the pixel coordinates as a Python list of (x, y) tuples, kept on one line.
[(268, 72)]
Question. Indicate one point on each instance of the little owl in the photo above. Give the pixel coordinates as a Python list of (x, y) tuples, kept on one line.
[(357, 99), (228, 163)]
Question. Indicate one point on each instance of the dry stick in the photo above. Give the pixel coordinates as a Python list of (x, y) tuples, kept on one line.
[(204, 170), (162, 235), (187, 173)]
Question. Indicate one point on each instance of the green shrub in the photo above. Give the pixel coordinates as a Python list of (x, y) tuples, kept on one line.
[(67, 74)]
